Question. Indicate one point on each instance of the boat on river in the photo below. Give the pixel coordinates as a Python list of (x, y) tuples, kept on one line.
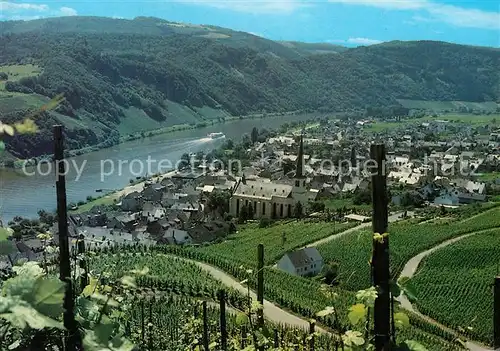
[(216, 135)]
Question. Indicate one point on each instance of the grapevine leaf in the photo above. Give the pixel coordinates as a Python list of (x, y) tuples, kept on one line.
[(326, 312), (14, 345), (128, 281), (407, 289), (353, 338), (7, 129), (2, 146), (367, 296), (91, 287), (414, 346), (26, 127), (104, 330), (401, 320), (241, 319), (357, 313), (48, 296), (22, 316)]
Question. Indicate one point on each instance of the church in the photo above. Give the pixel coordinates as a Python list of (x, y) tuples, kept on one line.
[(273, 200)]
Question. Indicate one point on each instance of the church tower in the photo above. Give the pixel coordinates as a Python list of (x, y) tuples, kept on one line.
[(299, 180)]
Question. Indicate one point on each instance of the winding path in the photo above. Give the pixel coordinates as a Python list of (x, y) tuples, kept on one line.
[(271, 311), (392, 218), (409, 271)]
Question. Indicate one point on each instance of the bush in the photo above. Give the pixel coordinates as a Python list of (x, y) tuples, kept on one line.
[(265, 222)]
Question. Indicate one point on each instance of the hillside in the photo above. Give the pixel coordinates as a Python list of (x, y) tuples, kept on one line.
[(120, 74)]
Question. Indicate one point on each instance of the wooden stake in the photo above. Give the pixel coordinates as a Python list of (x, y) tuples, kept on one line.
[(260, 283), (223, 329), (496, 315), (74, 338), (205, 327), (380, 259)]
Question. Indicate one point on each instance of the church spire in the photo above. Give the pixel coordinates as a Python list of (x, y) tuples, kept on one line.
[(300, 160)]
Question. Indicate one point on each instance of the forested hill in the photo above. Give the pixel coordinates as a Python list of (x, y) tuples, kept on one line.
[(121, 76)]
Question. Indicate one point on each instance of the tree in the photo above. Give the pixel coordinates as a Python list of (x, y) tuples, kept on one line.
[(250, 211), (185, 161), (362, 197), (331, 273), (246, 141), (219, 201), (46, 217), (298, 210), (255, 135), (243, 216), (317, 206)]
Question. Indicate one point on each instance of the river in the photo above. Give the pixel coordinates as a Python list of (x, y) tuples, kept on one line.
[(22, 195)]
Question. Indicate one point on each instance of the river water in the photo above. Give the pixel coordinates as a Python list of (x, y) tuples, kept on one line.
[(22, 195)]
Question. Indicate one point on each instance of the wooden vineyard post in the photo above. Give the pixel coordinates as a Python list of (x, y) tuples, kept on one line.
[(142, 319), (74, 338), (83, 264), (312, 326), (496, 314), (260, 284), (380, 258), (223, 330), (150, 324), (205, 327), (276, 338)]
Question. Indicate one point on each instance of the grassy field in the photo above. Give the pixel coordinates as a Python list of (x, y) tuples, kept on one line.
[(381, 126), (16, 72), (487, 177), (105, 200), (453, 284), (447, 105), (334, 204), (243, 245), (352, 252)]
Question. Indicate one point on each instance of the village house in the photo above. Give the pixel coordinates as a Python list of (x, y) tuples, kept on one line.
[(303, 262), (131, 202)]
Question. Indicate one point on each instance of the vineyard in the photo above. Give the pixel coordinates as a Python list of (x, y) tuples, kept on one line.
[(352, 252), (165, 273), (172, 322), (305, 297), (454, 284), (278, 239)]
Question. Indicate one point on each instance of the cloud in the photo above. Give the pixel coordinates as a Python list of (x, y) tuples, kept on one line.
[(450, 14), (254, 6), (462, 17), (363, 41), (16, 11), (6, 6), (67, 11), (386, 4), (356, 41)]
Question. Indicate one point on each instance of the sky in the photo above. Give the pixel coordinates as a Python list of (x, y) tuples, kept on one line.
[(342, 22)]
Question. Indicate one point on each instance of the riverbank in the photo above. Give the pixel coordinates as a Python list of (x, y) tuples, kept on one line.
[(8, 161)]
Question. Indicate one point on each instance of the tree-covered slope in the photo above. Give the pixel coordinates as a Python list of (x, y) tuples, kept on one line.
[(113, 71)]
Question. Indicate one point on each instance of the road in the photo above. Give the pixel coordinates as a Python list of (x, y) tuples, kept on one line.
[(271, 311), (409, 271), (392, 218)]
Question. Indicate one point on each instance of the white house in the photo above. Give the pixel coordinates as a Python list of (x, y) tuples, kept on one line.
[(303, 262)]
